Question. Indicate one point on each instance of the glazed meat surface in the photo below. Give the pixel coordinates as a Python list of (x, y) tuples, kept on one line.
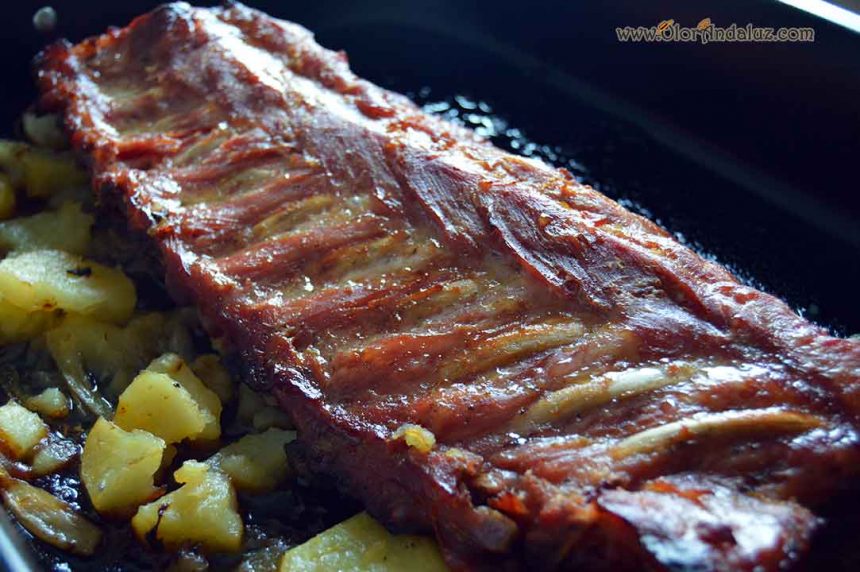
[(471, 342)]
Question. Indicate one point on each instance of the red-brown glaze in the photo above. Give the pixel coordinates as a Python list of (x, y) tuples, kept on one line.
[(600, 395)]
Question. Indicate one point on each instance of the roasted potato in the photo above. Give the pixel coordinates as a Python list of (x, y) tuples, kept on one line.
[(44, 280), (256, 413), (67, 229), (84, 347), (50, 403), (118, 467), (203, 511), (258, 462), (20, 430), (40, 172), (44, 130), (168, 400), (17, 325), (363, 545), (416, 437)]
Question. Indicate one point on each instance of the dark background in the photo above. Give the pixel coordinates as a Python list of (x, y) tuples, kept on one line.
[(749, 151)]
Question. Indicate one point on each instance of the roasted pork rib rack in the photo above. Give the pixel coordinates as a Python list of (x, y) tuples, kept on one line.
[(471, 342)]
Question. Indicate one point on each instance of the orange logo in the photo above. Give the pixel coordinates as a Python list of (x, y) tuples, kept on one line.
[(663, 26)]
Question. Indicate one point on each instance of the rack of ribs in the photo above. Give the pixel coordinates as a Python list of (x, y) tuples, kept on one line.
[(471, 342)]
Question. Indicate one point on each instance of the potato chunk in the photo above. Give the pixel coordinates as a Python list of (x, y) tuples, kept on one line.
[(116, 354), (362, 544), (118, 467), (17, 325), (48, 279), (204, 510), (41, 172), (20, 430), (256, 463), (67, 229), (50, 403), (168, 400), (81, 346), (157, 403)]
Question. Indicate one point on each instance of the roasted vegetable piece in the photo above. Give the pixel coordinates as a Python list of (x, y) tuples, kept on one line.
[(49, 518), (168, 400), (118, 467), (40, 171), (67, 229), (44, 130), (51, 279), (20, 430), (50, 403), (254, 411), (256, 463), (53, 454), (203, 511), (363, 545), (113, 354), (17, 325), (416, 437)]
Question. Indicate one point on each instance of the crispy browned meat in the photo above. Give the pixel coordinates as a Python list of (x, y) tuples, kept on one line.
[(600, 395)]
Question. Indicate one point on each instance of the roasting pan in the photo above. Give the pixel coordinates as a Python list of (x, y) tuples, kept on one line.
[(749, 152)]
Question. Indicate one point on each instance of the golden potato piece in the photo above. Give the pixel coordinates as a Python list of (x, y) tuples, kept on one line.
[(20, 430), (114, 355), (174, 366), (49, 279), (118, 467), (51, 403), (168, 400), (67, 229), (41, 172), (157, 403), (363, 545), (256, 463), (101, 346), (17, 325), (203, 511)]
